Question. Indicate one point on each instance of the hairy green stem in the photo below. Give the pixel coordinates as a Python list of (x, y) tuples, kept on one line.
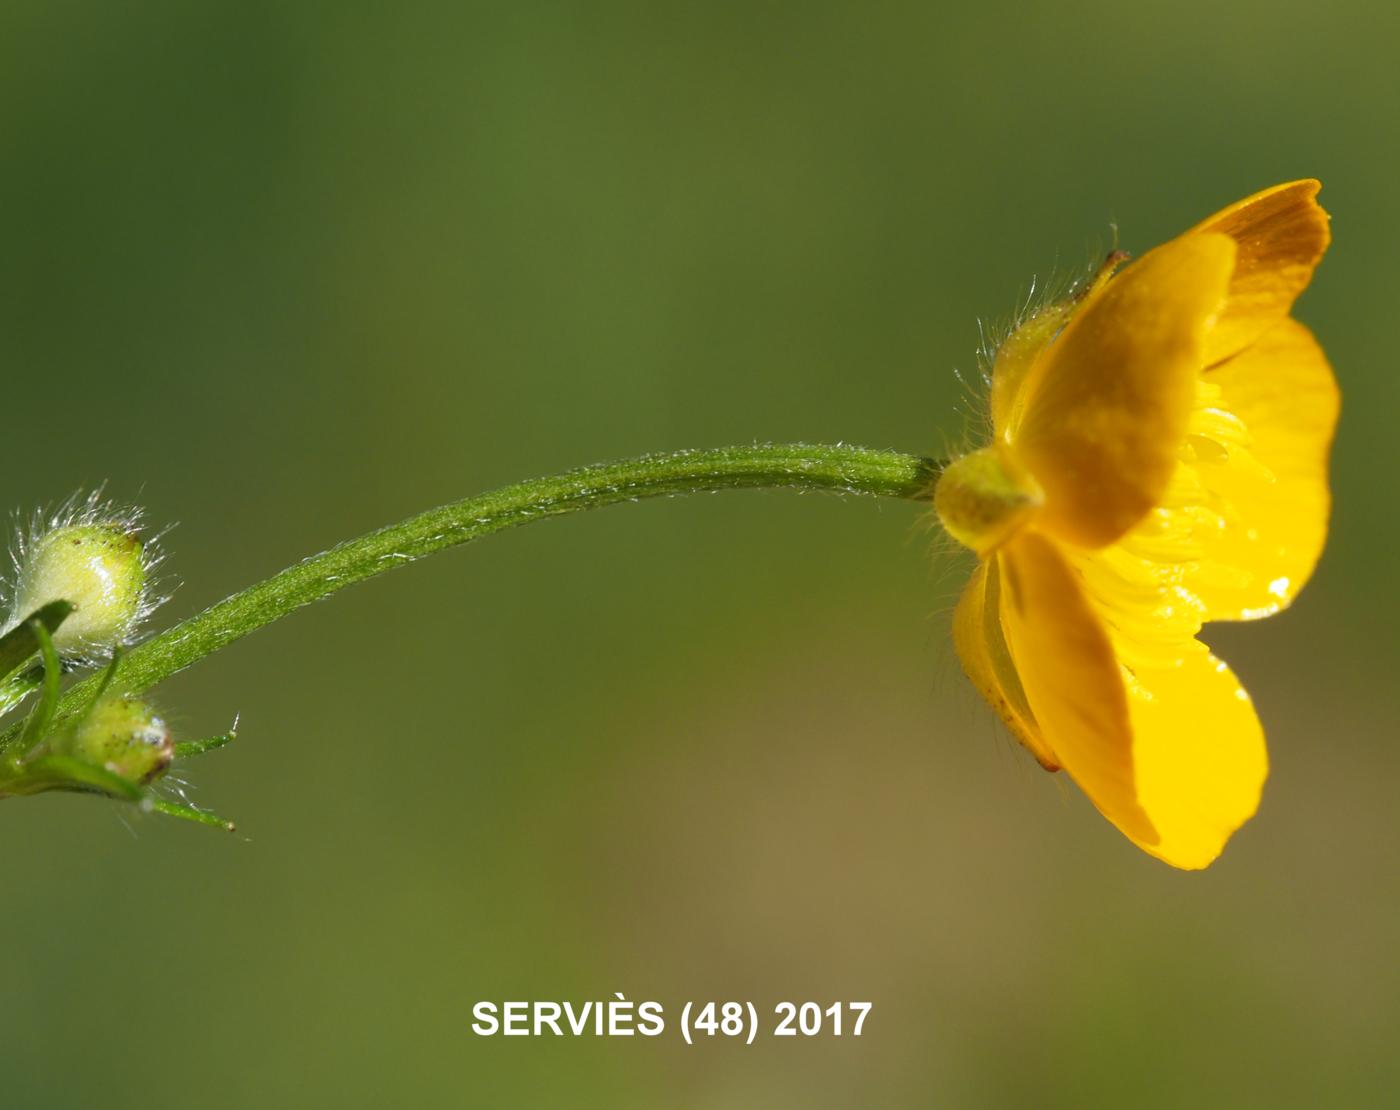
[(836, 468)]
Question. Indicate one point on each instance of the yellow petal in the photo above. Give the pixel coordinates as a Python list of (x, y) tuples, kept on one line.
[(1107, 406), (1244, 517), (1198, 755), (1072, 681), (1282, 233), (1165, 743), (981, 645), (1197, 749), (1274, 488)]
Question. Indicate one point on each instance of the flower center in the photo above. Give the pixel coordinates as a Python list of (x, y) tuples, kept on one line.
[(983, 497)]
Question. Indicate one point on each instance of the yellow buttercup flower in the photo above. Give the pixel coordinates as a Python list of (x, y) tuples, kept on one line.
[(1158, 460)]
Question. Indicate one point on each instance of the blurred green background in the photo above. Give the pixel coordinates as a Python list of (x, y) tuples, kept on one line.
[(285, 271)]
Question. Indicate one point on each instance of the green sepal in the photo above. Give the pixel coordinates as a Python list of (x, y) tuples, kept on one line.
[(21, 643), (187, 748), (41, 716), (61, 772), (189, 813)]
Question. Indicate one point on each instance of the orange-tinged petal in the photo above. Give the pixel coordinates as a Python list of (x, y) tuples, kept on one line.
[(981, 645), (1282, 389), (1107, 406), (1072, 680), (1198, 757), (1281, 233)]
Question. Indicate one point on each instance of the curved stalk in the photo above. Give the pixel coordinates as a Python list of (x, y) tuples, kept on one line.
[(837, 468)]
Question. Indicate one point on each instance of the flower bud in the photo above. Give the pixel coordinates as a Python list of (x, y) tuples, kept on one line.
[(99, 566), (123, 735)]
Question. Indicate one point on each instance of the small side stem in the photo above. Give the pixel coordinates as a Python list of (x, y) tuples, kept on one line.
[(837, 468)]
